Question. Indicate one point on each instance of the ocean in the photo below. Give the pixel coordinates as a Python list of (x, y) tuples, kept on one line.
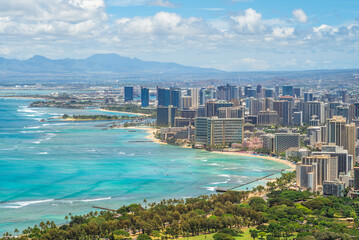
[(51, 169)]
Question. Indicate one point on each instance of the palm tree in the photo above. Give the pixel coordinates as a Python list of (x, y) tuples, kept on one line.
[(42, 225)]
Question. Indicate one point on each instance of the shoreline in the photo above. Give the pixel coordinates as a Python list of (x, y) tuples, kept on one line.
[(150, 133), (105, 110), (23, 97), (151, 136), (252, 155)]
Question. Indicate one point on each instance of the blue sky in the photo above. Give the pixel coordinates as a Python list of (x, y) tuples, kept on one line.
[(233, 35)]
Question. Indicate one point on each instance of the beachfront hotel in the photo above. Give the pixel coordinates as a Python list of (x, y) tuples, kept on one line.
[(216, 131)]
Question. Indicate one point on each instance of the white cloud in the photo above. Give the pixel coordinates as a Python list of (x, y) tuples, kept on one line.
[(162, 3), (42, 17), (300, 15), (162, 23), (325, 30), (78, 28), (283, 32), (126, 3), (248, 22)]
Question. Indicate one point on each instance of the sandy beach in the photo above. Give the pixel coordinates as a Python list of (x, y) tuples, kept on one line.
[(245, 154), (151, 136), (150, 131), (104, 110)]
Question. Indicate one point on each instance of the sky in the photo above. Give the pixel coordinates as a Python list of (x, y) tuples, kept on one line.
[(231, 35)]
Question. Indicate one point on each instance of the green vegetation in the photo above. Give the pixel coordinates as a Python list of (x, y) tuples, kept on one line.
[(284, 214), (262, 151), (132, 109), (63, 104), (97, 117)]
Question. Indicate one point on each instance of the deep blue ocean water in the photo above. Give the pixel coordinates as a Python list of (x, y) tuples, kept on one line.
[(51, 169)]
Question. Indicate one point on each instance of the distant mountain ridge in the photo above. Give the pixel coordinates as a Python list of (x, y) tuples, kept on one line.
[(99, 63), (107, 68)]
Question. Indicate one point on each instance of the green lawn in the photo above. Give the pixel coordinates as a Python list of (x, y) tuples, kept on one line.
[(245, 236)]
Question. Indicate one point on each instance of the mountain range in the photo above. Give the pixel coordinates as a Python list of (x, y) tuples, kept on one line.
[(99, 63), (105, 68)]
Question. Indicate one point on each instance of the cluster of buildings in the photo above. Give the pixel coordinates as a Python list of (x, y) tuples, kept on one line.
[(319, 129)]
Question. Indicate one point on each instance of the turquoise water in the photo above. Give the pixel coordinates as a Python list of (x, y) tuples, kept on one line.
[(50, 169)]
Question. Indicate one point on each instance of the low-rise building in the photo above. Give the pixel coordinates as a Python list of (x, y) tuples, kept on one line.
[(333, 188), (297, 152)]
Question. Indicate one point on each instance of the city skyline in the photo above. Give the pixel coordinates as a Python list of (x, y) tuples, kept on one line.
[(228, 35)]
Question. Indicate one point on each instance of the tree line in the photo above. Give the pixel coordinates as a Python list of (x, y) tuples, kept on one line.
[(284, 213)]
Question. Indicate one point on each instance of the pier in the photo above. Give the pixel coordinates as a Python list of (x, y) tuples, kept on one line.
[(220, 190), (106, 209)]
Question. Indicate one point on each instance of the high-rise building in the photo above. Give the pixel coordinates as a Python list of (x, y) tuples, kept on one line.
[(269, 93), (175, 97), (227, 92), (166, 116), (305, 176), (287, 113), (314, 134), (344, 110), (336, 130), (284, 141), (252, 93), (298, 118), (259, 91), (345, 160), (356, 110), (186, 102), (343, 95), (145, 97), (188, 114), (128, 94), (278, 107), (218, 131), (333, 188), (224, 131), (350, 137), (268, 103), (231, 112), (182, 122), (324, 167), (255, 105), (276, 89), (194, 93), (284, 108), (202, 96), (212, 107), (356, 178), (287, 90), (308, 97), (201, 111), (200, 134), (246, 88), (296, 92), (314, 121), (163, 97), (268, 142), (313, 108), (267, 118)]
